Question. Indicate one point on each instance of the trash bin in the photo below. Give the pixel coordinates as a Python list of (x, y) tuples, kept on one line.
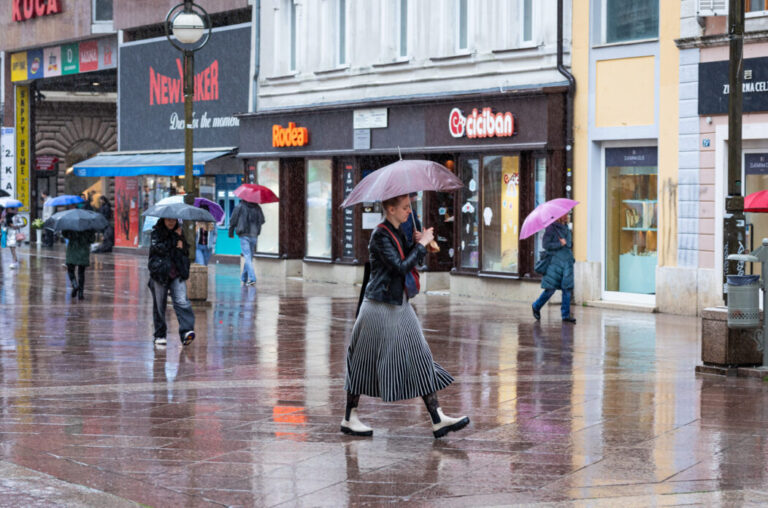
[(743, 301)]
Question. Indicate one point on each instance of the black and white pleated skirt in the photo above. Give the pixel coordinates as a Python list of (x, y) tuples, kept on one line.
[(389, 357)]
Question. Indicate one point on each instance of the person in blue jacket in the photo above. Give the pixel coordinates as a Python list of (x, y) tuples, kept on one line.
[(558, 243)]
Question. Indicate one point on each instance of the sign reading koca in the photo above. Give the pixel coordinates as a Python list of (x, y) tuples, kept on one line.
[(152, 91), (714, 86)]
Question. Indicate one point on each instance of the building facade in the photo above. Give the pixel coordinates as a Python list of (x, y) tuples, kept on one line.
[(345, 88)]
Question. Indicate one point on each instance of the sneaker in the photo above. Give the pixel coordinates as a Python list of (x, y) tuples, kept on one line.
[(160, 341), (569, 319), (12, 266), (536, 313), (250, 283), (187, 338)]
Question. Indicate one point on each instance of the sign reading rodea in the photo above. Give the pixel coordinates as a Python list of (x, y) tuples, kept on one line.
[(22, 10), (289, 136)]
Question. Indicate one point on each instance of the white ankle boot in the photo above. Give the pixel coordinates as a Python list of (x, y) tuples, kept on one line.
[(448, 424), (354, 426)]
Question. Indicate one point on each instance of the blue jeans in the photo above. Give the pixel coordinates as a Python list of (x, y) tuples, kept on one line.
[(181, 304), (203, 254), (565, 306), (247, 248)]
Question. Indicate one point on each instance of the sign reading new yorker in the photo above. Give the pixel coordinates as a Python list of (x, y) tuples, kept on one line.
[(152, 91), (714, 88)]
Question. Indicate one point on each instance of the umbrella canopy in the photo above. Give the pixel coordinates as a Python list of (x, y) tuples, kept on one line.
[(757, 202), (76, 220), (403, 177), (65, 199), (10, 203), (213, 207), (179, 211), (3, 194), (544, 215), (256, 194)]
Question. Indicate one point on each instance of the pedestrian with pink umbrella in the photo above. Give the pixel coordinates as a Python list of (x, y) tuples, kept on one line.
[(556, 263), (246, 221)]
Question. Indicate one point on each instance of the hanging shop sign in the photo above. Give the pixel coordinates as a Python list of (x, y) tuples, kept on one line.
[(46, 162), (152, 92), (23, 10), (481, 123), (86, 56), (22, 145), (714, 86), (8, 161)]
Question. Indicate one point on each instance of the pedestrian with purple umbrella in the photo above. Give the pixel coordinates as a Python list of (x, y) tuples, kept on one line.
[(558, 274)]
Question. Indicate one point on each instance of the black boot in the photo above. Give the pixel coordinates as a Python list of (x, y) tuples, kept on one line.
[(80, 295), (75, 287)]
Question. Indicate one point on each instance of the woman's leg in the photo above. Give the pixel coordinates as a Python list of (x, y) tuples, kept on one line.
[(351, 424), (184, 312), (159, 301), (80, 281), (442, 424), (13, 253), (72, 279), (543, 299)]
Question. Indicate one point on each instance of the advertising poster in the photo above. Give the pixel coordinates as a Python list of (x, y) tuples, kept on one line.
[(89, 56), (52, 60), (510, 212), (22, 146), (127, 211), (19, 66), (35, 64), (8, 161), (70, 59)]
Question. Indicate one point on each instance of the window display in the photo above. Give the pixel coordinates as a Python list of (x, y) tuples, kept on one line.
[(469, 172), (268, 175), (501, 213), (539, 197), (319, 205), (631, 219)]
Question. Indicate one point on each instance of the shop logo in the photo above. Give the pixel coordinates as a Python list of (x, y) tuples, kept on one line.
[(23, 10), (289, 136), (167, 90), (481, 124)]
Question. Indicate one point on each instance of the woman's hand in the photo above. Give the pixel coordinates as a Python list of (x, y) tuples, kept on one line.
[(179, 244), (563, 242), (427, 236), (417, 235)]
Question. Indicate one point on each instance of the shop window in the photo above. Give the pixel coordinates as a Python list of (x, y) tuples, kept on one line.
[(319, 206), (469, 172), (755, 5), (539, 197), (462, 24), (631, 218), (756, 179), (268, 175), (342, 32), (403, 28), (102, 11), (501, 212), (630, 20)]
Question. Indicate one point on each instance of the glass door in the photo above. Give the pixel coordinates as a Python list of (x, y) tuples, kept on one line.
[(225, 197), (631, 220)]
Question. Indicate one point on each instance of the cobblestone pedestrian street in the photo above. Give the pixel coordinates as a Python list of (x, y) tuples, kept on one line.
[(608, 412)]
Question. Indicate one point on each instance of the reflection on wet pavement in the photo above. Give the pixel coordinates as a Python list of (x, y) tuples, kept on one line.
[(607, 412)]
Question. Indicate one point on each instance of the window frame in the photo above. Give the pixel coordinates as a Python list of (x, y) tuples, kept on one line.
[(523, 42), (457, 46), (342, 47), (101, 21), (602, 36), (402, 31), (293, 34)]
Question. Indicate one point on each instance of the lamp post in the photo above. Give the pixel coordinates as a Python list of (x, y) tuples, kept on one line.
[(191, 26)]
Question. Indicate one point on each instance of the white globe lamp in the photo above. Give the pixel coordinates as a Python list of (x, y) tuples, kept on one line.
[(188, 27)]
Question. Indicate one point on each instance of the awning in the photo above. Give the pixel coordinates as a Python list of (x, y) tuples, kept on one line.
[(161, 163)]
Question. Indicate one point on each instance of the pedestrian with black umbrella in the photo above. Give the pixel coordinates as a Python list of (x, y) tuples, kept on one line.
[(79, 228)]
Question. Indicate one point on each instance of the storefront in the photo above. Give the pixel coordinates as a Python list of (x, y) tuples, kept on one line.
[(508, 151), (150, 163)]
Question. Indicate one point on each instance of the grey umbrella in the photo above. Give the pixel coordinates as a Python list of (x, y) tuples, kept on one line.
[(179, 211), (76, 220)]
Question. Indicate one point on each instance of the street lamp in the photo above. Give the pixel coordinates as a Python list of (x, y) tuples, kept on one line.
[(191, 26)]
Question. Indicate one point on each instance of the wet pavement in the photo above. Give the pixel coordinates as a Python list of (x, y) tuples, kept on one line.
[(607, 412)]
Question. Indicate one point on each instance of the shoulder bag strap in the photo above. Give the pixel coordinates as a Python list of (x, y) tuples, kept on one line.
[(397, 242)]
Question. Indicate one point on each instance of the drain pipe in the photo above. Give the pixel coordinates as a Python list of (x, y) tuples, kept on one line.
[(569, 104), (255, 54)]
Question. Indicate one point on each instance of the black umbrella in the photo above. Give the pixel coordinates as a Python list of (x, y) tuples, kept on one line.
[(3, 194), (76, 220), (179, 211)]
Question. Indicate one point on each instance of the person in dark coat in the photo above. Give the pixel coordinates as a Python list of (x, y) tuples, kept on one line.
[(108, 237), (168, 272), (247, 219), (388, 356), (78, 255), (558, 242)]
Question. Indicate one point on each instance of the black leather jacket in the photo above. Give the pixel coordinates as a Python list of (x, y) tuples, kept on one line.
[(163, 251), (388, 270)]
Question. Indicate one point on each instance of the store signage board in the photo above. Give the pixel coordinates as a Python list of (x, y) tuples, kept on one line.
[(289, 136), (19, 66), (46, 162), (756, 163), (52, 61), (151, 93), (24, 10), (86, 56), (348, 249), (362, 139), (370, 118), (22, 145), (70, 63), (481, 123), (8, 161), (35, 67), (646, 156), (714, 86)]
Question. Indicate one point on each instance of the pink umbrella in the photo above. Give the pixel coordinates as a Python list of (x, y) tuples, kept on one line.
[(544, 215), (256, 194), (403, 177)]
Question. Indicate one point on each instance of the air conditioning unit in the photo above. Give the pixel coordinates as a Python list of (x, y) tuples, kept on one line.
[(711, 8)]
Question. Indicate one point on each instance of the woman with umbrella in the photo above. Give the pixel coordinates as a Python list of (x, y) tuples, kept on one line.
[(12, 224), (388, 356)]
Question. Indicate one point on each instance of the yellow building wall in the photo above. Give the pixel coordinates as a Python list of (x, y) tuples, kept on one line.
[(625, 92), (669, 118), (580, 71)]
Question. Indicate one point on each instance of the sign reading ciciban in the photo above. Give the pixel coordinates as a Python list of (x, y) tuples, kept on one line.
[(481, 124), (23, 10)]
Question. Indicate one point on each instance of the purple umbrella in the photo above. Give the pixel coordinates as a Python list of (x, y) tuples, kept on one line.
[(544, 215), (403, 177), (213, 207)]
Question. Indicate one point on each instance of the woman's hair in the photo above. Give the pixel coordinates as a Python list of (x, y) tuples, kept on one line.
[(392, 202)]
